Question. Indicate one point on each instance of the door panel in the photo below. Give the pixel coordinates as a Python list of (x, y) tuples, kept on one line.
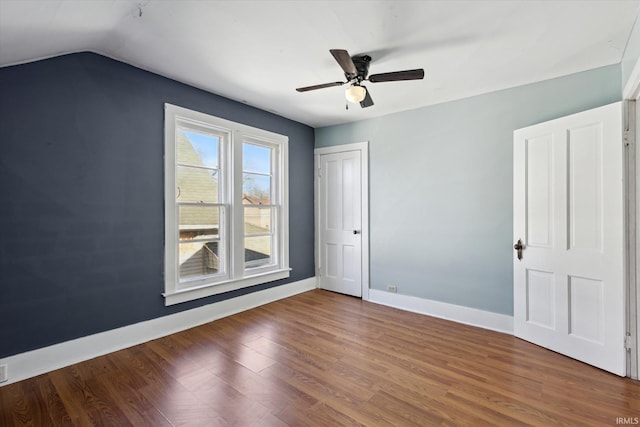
[(340, 222), (569, 212), (586, 305), (539, 162), (585, 188), (540, 299)]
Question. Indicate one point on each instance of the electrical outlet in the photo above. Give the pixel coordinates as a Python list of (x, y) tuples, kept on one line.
[(392, 288), (4, 376)]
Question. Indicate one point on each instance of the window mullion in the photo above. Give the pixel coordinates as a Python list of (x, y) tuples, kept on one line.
[(237, 232)]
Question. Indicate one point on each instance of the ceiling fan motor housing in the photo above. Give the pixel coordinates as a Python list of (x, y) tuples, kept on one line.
[(362, 65)]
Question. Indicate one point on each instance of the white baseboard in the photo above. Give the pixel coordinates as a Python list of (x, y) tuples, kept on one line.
[(457, 313), (46, 359)]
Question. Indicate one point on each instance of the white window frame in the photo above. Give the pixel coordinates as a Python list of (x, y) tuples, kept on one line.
[(277, 243), (233, 135)]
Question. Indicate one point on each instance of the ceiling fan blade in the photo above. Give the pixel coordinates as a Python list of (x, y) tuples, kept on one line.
[(343, 59), (397, 75), (322, 86), (367, 101)]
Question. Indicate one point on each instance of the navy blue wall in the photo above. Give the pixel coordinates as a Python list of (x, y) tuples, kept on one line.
[(81, 187)]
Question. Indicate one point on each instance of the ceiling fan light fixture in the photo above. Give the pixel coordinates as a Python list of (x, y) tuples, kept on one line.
[(355, 93)]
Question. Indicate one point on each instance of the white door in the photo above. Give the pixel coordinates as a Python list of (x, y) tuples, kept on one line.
[(569, 287), (340, 222)]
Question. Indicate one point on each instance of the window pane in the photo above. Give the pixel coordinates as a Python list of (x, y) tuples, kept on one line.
[(199, 259), (199, 222), (256, 158), (257, 220), (256, 189), (197, 149), (197, 185), (257, 251)]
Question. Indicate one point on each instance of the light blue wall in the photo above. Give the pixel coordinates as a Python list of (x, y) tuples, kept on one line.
[(631, 54), (441, 186)]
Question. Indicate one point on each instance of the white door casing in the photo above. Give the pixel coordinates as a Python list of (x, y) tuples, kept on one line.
[(342, 225), (569, 288), (631, 94)]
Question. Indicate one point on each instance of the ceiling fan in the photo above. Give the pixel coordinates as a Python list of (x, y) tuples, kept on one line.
[(356, 70)]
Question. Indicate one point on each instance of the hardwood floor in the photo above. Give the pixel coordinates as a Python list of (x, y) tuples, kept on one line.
[(325, 359)]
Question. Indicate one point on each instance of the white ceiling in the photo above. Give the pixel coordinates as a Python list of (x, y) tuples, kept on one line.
[(259, 51)]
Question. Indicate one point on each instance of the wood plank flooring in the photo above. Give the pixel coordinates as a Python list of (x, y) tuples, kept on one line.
[(325, 359)]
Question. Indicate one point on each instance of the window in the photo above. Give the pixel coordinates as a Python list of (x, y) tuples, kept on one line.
[(226, 208)]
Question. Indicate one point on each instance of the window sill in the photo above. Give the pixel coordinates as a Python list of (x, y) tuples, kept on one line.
[(184, 295)]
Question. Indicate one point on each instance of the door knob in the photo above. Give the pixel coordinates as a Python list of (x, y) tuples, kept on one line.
[(356, 231), (519, 247)]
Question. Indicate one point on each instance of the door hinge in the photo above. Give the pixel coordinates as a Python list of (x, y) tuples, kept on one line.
[(628, 342), (627, 138), (319, 172)]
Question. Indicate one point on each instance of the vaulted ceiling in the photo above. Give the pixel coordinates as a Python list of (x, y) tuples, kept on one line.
[(259, 51)]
